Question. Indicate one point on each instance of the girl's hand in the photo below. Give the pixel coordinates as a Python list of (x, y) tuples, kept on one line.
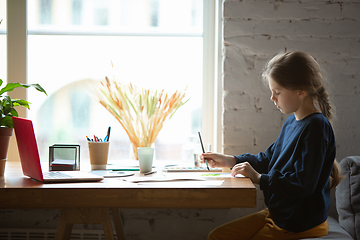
[(218, 160), (247, 170)]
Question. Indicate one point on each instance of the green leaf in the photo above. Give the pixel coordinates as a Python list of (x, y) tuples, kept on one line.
[(20, 102), (7, 122), (14, 113), (11, 86), (7, 111), (7, 104), (38, 87)]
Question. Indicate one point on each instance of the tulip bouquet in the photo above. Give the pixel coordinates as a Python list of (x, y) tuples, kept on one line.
[(141, 112)]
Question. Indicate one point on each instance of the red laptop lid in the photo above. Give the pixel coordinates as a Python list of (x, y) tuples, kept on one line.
[(28, 150)]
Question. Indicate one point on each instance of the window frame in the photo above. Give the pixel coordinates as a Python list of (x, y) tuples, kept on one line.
[(212, 130)]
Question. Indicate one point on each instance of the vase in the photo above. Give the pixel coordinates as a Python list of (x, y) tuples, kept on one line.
[(134, 147), (5, 134)]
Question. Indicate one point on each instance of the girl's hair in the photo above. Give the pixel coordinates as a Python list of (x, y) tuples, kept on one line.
[(335, 176), (300, 71)]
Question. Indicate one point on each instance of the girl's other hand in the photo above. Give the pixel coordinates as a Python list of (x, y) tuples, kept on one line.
[(218, 160), (247, 170)]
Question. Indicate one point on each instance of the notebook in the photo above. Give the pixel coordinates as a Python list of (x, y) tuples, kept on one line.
[(30, 159)]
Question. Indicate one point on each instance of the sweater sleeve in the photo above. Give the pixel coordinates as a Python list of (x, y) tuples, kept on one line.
[(259, 162)]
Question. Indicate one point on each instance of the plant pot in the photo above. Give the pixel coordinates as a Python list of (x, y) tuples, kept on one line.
[(5, 134), (2, 167)]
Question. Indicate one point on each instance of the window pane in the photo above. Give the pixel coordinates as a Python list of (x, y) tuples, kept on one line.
[(140, 16), (63, 64)]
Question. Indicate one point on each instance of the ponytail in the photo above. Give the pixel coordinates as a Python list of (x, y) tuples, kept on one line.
[(335, 176), (324, 102)]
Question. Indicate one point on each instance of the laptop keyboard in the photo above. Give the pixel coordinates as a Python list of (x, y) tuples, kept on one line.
[(55, 175)]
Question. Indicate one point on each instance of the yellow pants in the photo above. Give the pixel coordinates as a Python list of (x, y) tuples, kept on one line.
[(260, 226)]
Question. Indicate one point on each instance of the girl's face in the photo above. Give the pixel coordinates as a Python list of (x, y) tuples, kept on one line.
[(287, 101)]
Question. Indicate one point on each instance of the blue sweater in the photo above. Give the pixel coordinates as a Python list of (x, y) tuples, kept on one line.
[(295, 172)]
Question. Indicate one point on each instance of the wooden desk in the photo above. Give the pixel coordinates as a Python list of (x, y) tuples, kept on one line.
[(112, 192), (16, 191)]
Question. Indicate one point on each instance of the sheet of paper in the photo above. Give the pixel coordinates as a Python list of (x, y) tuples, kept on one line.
[(63, 162), (184, 183), (205, 175), (161, 179), (222, 175), (199, 178)]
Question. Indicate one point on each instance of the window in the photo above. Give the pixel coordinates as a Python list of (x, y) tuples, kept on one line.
[(152, 43)]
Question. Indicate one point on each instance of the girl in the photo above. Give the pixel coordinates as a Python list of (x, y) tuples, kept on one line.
[(294, 172)]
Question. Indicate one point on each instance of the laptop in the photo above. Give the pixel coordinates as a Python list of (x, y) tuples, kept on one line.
[(30, 159)]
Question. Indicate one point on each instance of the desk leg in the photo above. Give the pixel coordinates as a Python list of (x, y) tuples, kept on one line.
[(106, 222), (118, 224), (70, 216), (64, 228)]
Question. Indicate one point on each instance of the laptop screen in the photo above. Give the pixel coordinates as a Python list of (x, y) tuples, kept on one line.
[(28, 150)]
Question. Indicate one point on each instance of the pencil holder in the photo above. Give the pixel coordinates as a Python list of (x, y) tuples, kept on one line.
[(64, 157), (98, 152)]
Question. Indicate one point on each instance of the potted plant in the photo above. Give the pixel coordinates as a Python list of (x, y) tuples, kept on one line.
[(7, 111)]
